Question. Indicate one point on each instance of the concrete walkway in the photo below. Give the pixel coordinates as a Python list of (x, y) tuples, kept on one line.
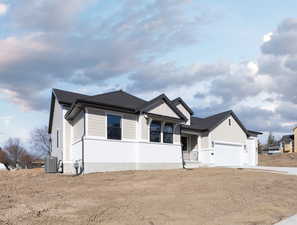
[(283, 170), (289, 221)]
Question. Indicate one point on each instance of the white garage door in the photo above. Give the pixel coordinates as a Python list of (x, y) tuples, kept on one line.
[(227, 154)]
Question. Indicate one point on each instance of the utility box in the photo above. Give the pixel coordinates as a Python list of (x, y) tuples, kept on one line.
[(51, 164)]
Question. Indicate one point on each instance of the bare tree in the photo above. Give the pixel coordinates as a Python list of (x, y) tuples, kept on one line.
[(40, 141), (4, 159), (14, 150)]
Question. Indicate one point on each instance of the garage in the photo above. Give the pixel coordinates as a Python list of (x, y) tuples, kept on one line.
[(227, 154)]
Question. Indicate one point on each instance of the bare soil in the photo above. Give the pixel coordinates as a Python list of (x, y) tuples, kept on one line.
[(282, 160), (205, 196)]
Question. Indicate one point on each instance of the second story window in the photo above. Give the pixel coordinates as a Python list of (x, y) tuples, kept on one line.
[(114, 129), (168, 133), (155, 131)]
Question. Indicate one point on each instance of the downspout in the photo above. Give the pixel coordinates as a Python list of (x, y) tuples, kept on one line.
[(82, 168)]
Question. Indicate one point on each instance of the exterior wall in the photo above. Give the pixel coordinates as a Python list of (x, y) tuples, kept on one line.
[(78, 127), (96, 122), (176, 135), (185, 112), (164, 110), (288, 147), (67, 142), (158, 156), (204, 142), (57, 125), (129, 126), (252, 148), (227, 133), (111, 155), (295, 139), (144, 128)]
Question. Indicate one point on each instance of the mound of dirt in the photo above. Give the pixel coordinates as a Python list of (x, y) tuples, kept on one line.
[(282, 160)]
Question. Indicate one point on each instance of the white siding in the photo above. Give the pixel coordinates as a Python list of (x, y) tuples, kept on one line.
[(227, 133), (164, 110), (96, 123), (67, 141), (176, 135), (129, 126), (204, 142), (185, 112), (57, 125), (78, 127), (144, 128)]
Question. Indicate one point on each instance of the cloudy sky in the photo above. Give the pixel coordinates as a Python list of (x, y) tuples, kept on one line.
[(217, 55)]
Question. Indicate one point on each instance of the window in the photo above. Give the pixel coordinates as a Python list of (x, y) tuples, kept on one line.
[(155, 131), (168, 133), (229, 122), (57, 138), (114, 129)]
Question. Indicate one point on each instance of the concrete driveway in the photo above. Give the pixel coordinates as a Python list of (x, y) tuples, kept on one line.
[(283, 170)]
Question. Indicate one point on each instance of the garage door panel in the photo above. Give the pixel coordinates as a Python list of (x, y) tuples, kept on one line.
[(227, 155)]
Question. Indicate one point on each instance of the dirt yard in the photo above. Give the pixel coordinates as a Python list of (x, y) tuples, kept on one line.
[(283, 160), (207, 196)]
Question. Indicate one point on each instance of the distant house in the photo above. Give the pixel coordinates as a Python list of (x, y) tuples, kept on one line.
[(287, 144), (119, 131)]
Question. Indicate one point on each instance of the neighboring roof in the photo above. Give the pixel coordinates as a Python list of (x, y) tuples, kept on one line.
[(181, 101), (254, 133), (211, 122), (287, 138), (161, 98)]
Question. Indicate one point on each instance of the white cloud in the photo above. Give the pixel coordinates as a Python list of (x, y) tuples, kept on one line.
[(3, 9), (267, 37), (6, 120)]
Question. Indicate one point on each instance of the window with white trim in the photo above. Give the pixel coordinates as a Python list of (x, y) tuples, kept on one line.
[(155, 131), (114, 128), (168, 133)]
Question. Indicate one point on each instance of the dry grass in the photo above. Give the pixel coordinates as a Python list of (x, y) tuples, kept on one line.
[(283, 160), (206, 196)]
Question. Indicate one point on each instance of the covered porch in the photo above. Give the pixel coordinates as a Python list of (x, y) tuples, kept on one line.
[(195, 148)]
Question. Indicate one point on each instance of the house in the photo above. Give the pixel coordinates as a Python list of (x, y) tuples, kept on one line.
[(119, 131), (287, 144), (270, 150)]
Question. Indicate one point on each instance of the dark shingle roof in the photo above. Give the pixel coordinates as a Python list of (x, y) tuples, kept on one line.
[(209, 122), (287, 138), (67, 97), (117, 98)]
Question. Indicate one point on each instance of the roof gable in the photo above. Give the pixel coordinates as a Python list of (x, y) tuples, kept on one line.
[(179, 100), (158, 101), (164, 110), (211, 122)]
